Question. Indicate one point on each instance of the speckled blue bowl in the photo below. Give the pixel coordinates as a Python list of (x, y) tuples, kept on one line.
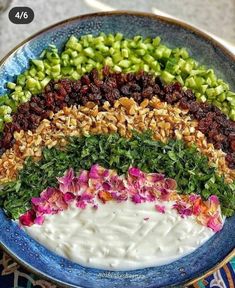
[(40, 260)]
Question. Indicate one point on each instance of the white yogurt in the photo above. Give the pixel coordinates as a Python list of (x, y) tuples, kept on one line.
[(117, 236)]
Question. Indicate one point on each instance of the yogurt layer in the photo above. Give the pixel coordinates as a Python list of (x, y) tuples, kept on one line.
[(121, 236)]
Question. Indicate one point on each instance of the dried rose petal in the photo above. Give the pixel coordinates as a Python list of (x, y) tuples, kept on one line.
[(94, 172), (157, 177), (69, 197), (106, 173), (47, 193), (81, 204), (194, 197), (83, 176), (136, 172), (37, 201), (28, 218), (39, 220), (165, 194), (119, 196), (160, 208), (214, 199), (170, 184), (182, 209), (106, 186), (66, 180), (136, 198), (86, 197), (105, 196), (214, 223)]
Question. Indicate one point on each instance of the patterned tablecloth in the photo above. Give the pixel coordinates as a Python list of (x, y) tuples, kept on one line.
[(12, 275)]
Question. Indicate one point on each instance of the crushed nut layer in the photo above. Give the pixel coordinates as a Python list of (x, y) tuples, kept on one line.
[(166, 122)]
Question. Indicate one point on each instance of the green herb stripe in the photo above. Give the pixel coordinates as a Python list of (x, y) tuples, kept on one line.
[(184, 164)]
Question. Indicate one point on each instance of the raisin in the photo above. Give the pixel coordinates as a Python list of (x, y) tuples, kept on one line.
[(200, 114), (6, 141), (189, 94), (94, 75), (232, 145), (16, 126), (85, 80), (35, 108), (135, 87), (159, 82), (76, 86), (194, 107), (137, 97), (84, 89), (125, 90), (23, 108), (105, 70), (148, 93), (184, 104)]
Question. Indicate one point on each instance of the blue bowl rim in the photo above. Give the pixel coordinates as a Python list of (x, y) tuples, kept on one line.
[(163, 19)]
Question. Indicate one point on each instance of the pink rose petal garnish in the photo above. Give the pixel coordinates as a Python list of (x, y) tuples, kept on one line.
[(136, 198), (193, 197), (214, 199), (74, 187), (44, 208), (27, 219), (37, 201), (160, 208), (94, 172), (182, 209), (170, 184), (196, 209), (214, 223), (39, 220), (86, 197), (66, 180), (83, 176), (106, 173), (136, 172), (69, 197), (165, 194), (81, 204), (47, 193), (213, 204), (155, 177), (106, 185)]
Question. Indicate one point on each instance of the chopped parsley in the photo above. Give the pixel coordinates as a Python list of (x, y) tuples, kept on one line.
[(185, 164)]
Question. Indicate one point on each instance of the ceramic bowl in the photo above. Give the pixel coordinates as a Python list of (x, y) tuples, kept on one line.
[(175, 34)]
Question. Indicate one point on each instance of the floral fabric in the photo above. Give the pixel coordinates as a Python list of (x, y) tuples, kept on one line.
[(12, 275)]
